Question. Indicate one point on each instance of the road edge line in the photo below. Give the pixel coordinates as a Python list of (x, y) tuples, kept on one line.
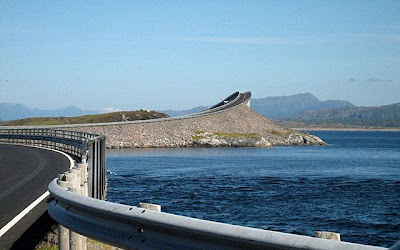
[(31, 206), (24, 212)]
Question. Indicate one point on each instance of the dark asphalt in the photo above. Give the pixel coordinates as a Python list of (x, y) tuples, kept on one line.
[(25, 173), (242, 97)]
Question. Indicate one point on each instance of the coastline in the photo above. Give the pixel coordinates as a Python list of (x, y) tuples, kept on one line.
[(240, 126), (347, 129)]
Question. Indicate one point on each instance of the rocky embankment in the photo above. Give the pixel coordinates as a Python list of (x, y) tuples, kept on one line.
[(237, 127)]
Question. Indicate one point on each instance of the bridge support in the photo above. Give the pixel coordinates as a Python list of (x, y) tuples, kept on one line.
[(248, 104)]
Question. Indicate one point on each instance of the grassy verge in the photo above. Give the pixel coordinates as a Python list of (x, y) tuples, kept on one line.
[(203, 135), (91, 245), (101, 118)]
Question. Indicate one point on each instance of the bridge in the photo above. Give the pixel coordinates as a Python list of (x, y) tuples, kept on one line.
[(78, 195)]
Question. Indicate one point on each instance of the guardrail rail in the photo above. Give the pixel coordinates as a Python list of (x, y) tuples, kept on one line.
[(85, 147)]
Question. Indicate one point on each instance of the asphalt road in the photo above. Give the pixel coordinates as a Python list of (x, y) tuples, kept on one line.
[(25, 173)]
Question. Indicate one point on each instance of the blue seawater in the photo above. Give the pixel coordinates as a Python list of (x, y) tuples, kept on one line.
[(351, 186)]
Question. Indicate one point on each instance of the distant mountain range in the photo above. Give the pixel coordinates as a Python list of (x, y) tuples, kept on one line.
[(277, 106), (285, 106), (174, 113), (382, 116), (13, 111), (291, 111), (306, 109)]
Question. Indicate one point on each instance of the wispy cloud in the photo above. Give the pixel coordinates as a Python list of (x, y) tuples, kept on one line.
[(110, 109), (370, 80), (299, 40), (377, 80)]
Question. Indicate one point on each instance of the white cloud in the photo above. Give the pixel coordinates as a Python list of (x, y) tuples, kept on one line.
[(377, 80), (110, 109)]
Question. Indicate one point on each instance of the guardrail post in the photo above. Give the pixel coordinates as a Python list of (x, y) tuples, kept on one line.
[(63, 232), (95, 169), (83, 167), (103, 167), (76, 241), (150, 206), (90, 169), (327, 235), (84, 151)]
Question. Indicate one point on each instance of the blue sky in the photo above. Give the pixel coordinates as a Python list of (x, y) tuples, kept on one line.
[(181, 54)]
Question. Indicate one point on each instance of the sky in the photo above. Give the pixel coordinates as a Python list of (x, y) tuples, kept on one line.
[(128, 55)]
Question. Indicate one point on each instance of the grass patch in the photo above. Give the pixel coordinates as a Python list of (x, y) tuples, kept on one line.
[(198, 137), (203, 135), (94, 244), (274, 132), (52, 247), (236, 135), (101, 118)]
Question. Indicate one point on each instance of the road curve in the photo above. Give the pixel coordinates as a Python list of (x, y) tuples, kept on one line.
[(231, 101), (25, 173)]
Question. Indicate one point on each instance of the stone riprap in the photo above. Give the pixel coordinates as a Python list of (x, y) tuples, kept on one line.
[(238, 127)]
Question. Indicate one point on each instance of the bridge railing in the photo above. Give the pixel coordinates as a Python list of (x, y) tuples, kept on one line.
[(85, 147)]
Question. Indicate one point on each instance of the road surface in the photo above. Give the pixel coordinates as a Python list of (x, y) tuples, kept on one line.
[(25, 173)]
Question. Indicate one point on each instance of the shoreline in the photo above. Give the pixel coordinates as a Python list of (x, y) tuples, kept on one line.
[(348, 129)]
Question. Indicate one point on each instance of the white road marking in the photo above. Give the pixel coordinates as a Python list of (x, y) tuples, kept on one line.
[(24, 212), (17, 218)]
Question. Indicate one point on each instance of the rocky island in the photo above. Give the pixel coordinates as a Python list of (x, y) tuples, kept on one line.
[(237, 126)]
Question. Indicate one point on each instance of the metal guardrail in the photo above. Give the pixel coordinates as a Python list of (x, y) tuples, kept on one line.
[(83, 146), (137, 228)]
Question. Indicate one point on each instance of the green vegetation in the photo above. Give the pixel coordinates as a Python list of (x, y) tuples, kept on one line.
[(109, 117), (238, 135), (198, 137), (94, 244), (91, 245), (274, 132), (50, 247), (203, 135)]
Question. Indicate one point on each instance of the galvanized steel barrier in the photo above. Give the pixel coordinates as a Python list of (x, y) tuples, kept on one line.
[(85, 147), (132, 227)]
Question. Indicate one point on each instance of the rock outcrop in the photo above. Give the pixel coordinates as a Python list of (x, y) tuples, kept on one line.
[(206, 139), (238, 127)]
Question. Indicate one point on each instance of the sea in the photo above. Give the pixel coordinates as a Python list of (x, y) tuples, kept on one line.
[(351, 186)]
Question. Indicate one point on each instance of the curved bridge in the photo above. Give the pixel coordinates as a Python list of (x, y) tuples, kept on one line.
[(228, 103), (79, 208)]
